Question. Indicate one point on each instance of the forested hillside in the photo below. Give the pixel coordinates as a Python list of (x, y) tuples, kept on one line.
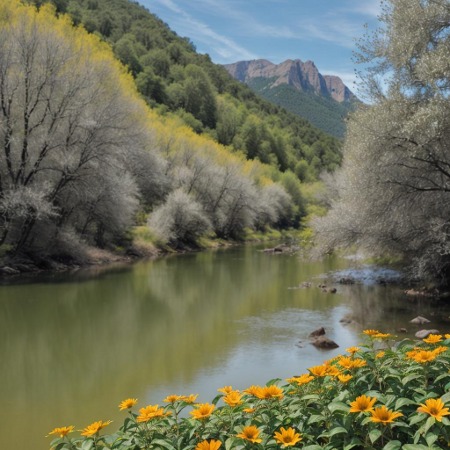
[(173, 78), (87, 164)]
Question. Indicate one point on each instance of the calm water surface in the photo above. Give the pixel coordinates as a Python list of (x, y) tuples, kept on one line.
[(73, 346)]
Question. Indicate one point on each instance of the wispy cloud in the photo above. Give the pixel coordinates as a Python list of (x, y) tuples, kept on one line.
[(200, 32)]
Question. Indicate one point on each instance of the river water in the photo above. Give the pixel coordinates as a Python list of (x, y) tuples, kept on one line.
[(72, 346)]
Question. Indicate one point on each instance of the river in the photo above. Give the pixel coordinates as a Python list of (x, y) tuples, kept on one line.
[(74, 345)]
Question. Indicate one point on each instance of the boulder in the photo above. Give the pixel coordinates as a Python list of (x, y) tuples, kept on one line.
[(324, 343), (419, 320), (422, 334), (319, 332)]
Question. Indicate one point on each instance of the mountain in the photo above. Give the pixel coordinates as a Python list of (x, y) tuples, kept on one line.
[(299, 87)]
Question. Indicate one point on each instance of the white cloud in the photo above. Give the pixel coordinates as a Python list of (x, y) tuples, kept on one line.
[(201, 33)]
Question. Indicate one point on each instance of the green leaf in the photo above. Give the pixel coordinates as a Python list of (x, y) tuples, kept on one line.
[(428, 424), (338, 406), (164, 444), (354, 443), (431, 438), (409, 378), (87, 444), (312, 447), (229, 443), (416, 418), (337, 430), (402, 401), (392, 445), (374, 434), (415, 447), (446, 397), (316, 418)]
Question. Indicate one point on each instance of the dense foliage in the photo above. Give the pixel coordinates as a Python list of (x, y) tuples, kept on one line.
[(173, 77), (324, 113), (392, 194), (375, 397), (85, 158)]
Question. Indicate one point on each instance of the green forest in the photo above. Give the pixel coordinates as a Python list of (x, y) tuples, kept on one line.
[(117, 135)]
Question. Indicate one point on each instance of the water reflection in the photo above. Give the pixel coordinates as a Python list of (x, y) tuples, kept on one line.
[(72, 349)]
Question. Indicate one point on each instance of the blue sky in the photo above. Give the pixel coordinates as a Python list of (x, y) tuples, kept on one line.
[(323, 31)]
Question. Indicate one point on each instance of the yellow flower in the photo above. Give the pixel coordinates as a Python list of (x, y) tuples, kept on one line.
[(434, 407), (424, 356), (250, 433), (440, 349), (371, 332), (61, 431), (252, 390), (384, 415), (127, 404), (287, 437), (380, 354), (352, 350), (151, 412), (233, 398), (173, 398), (351, 363), (94, 428), (447, 336), (302, 379), (362, 403), (319, 371), (382, 335), (189, 398), (202, 411), (433, 339), (225, 389), (211, 445), (268, 392), (344, 378), (249, 410)]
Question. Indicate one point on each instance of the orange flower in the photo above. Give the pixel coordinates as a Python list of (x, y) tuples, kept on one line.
[(250, 433), (302, 379), (422, 356), (61, 431), (433, 339), (380, 354), (362, 403), (351, 363), (440, 349), (151, 412), (211, 445), (268, 392), (94, 428), (203, 411), (252, 390), (189, 398), (384, 415), (225, 389), (127, 404), (434, 407), (287, 437), (382, 335), (352, 350), (344, 378), (447, 336), (249, 410), (319, 371), (173, 398), (233, 398), (371, 332)]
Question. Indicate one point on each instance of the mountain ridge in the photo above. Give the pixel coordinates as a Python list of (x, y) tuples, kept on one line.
[(301, 75)]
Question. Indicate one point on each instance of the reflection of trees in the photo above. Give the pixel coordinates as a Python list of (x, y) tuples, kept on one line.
[(388, 309)]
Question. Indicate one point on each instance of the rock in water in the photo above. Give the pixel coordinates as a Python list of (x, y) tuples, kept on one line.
[(324, 342)]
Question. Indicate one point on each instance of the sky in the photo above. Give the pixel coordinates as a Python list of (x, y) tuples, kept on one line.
[(323, 31)]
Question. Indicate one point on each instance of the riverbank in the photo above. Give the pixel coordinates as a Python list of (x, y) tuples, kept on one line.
[(143, 246)]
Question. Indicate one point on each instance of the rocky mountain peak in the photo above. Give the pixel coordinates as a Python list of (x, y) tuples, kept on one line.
[(301, 75)]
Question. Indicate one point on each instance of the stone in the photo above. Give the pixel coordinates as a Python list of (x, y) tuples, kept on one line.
[(319, 332), (419, 320), (324, 343), (422, 334)]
